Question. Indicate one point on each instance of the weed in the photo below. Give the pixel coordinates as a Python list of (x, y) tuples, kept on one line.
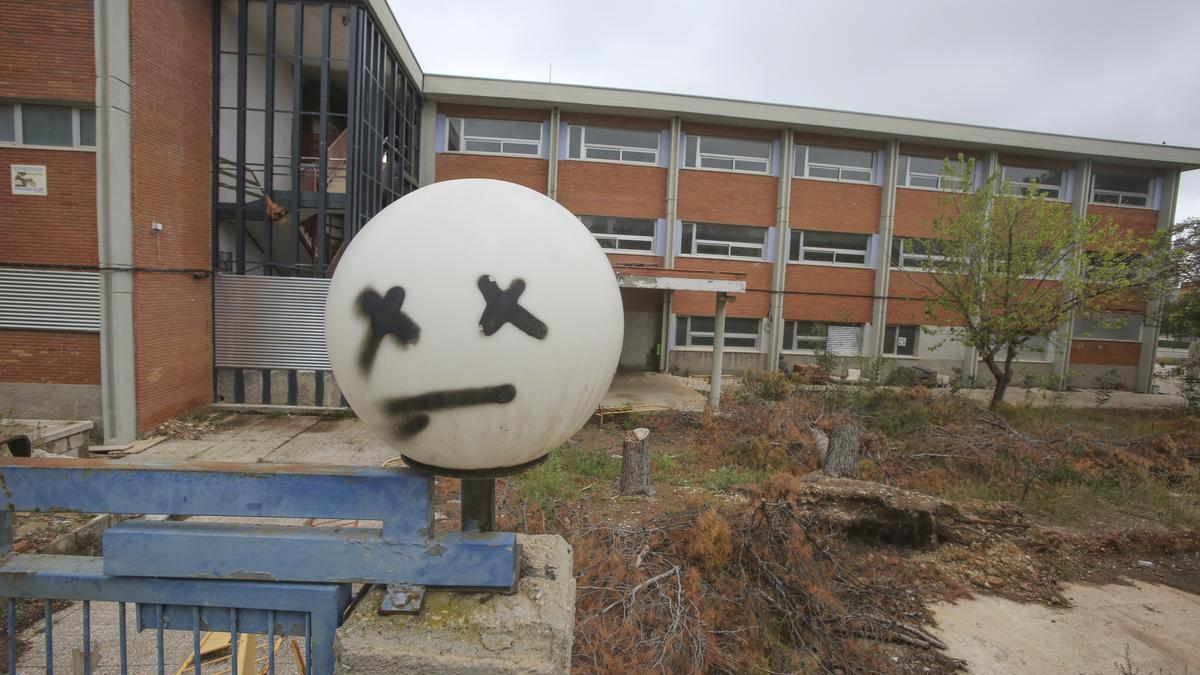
[(560, 476), (1106, 383), (766, 385)]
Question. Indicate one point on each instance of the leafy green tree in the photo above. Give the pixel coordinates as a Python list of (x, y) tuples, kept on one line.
[(1005, 264)]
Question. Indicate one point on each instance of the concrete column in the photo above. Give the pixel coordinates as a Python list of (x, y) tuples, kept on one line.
[(883, 265), (664, 356), (672, 193), (114, 218), (970, 366), (427, 162), (714, 383), (778, 281), (552, 178), (1150, 330), (1081, 195)]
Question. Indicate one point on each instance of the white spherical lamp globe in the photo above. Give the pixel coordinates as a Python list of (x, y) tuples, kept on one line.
[(474, 325)]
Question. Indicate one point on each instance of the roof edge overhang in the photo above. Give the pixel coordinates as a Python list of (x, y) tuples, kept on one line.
[(604, 100), (386, 19), (661, 278)]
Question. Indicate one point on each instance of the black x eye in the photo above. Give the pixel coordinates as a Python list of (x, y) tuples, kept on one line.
[(385, 318), (502, 307)]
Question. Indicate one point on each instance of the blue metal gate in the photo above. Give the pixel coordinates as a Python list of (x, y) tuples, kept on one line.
[(266, 579)]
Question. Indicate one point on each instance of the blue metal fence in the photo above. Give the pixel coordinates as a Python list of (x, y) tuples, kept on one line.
[(265, 579)]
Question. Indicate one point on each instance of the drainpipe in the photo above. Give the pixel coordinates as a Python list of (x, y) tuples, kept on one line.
[(114, 220), (1151, 328), (664, 357), (714, 382), (552, 177), (1064, 333), (779, 281), (883, 265)]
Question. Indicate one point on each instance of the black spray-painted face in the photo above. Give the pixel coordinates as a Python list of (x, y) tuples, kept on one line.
[(385, 317)]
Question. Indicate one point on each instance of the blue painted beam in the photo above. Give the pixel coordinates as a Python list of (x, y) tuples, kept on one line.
[(290, 553), (181, 617), (402, 499)]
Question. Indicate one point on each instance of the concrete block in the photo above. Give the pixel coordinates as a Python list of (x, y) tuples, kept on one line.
[(279, 388), (224, 385), (530, 631), (252, 381)]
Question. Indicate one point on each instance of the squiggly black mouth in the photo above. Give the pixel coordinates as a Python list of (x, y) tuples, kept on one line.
[(411, 409)]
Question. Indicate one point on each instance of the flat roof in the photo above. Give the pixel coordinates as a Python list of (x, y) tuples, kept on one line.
[(605, 100)]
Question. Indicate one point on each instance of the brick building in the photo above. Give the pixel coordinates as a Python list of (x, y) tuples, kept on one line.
[(185, 171)]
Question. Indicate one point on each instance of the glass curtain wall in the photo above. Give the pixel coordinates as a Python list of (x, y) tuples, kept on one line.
[(317, 127)]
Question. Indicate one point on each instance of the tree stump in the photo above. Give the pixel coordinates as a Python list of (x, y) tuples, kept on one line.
[(842, 450), (635, 464)]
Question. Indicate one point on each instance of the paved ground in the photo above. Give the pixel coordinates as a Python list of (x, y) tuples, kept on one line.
[(1124, 400), (655, 389), (1159, 626)]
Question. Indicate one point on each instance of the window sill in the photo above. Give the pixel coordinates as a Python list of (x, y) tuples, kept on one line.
[(494, 154), (848, 266), (836, 180), (1123, 206), (722, 257), (617, 251), (708, 350), (747, 173), (794, 352), (654, 165), (925, 189), (1096, 339), (20, 146), (902, 357)]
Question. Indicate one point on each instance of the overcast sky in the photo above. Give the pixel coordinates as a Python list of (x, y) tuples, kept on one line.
[(1113, 69)]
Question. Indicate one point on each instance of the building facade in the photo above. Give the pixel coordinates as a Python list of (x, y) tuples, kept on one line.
[(186, 171)]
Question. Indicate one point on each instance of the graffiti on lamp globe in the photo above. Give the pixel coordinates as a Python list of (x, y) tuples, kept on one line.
[(474, 325)]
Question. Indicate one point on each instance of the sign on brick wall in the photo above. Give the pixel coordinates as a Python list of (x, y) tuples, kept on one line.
[(28, 179)]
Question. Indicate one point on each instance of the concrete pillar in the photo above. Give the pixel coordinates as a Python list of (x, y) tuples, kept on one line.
[(873, 345), (672, 193), (1150, 330), (779, 280), (664, 356), (552, 177), (714, 383), (427, 161), (1081, 195), (114, 219), (530, 631)]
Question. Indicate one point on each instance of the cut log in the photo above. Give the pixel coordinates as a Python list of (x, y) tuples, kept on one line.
[(635, 464), (843, 452)]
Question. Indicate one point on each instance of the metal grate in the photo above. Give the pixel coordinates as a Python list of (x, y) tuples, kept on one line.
[(49, 300), (270, 322), (1109, 327)]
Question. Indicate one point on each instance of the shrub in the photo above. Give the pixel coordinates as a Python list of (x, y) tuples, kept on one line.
[(767, 385), (1106, 383)]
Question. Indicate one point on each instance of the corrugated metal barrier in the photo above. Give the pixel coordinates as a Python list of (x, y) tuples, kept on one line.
[(50, 300)]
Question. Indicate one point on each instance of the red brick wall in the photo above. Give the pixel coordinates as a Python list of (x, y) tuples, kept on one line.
[(834, 207), (172, 141), (532, 173), (750, 304), (641, 299), (46, 49), (491, 112), (915, 211), (818, 293), (1104, 353), (59, 228), (50, 357), (609, 189), (724, 197), (1141, 221)]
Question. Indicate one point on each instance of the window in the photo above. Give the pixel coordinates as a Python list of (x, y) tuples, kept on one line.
[(1116, 327), (494, 137), (928, 173), (1121, 190), (839, 248), (919, 254), (727, 241), (841, 339), (1020, 179), (900, 340), (622, 234), (728, 154), (835, 164), (57, 126), (697, 331), (613, 145)]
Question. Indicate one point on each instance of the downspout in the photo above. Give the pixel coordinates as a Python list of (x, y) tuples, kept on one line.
[(782, 217), (883, 265), (114, 221), (664, 356), (552, 175)]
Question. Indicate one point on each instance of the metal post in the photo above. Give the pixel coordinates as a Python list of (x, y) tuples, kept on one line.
[(478, 505), (714, 385)]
